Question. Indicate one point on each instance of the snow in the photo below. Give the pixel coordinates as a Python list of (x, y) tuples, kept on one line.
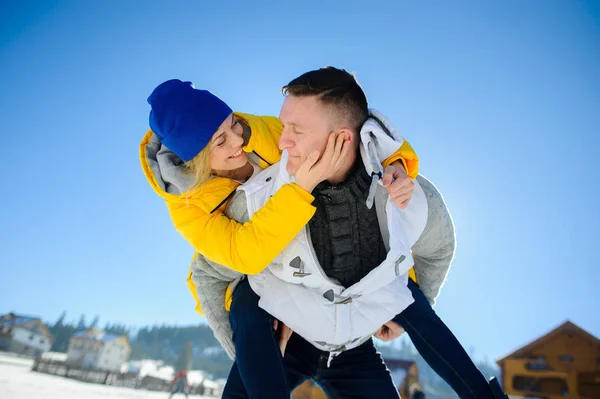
[(152, 368), (17, 381), (55, 356), (195, 377), (155, 368)]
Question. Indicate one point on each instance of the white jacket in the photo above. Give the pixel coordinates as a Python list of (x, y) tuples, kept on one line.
[(294, 288), (316, 307)]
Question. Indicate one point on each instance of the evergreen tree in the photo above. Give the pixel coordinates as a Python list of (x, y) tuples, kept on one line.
[(61, 320), (81, 324), (61, 334), (95, 322)]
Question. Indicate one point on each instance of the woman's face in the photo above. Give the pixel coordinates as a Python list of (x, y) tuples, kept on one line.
[(226, 147)]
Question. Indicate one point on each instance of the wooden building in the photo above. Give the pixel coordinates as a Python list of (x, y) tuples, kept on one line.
[(565, 363)]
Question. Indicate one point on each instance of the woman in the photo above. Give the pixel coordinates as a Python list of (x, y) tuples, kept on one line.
[(411, 386), (197, 154)]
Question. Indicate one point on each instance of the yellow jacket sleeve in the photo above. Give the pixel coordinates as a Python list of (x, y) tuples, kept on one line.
[(247, 248), (408, 157), (192, 288)]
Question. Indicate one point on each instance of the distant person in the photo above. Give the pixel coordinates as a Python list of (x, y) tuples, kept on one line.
[(180, 384), (411, 387)]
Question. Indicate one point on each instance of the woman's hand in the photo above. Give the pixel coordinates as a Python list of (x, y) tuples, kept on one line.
[(314, 170)]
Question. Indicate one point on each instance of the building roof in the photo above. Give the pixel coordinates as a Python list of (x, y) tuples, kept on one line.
[(566, 327), (96, 335), (14, 319)]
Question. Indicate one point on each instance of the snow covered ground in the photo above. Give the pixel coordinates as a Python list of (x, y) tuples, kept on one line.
[(17, 381)]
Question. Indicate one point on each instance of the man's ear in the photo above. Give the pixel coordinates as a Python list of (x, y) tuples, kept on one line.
[(350, 136), (345, 132)]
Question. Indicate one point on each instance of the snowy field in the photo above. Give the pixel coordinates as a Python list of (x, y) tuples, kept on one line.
[(18, 382)]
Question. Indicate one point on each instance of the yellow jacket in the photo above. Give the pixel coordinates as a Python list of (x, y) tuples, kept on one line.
[(247, 248)]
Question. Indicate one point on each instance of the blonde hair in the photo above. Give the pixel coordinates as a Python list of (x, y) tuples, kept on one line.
[(409, 380), (199, 167)]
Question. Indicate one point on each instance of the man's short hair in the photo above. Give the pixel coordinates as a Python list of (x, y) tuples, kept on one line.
[(335, 88)]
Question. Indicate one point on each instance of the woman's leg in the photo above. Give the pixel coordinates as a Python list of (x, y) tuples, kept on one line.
[(258, 358), (440, 348)]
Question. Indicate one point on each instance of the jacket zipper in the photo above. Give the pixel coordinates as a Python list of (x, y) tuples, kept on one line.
[(264, 160), (231, 193), (222, 202)]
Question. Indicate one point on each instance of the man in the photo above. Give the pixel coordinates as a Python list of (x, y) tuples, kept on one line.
[(179, 384), (345, 275)]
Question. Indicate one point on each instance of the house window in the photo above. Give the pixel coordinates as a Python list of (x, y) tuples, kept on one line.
[(537, 365), (521, 383), (532, 357), (566, 358), (551, 386), (554, 386)]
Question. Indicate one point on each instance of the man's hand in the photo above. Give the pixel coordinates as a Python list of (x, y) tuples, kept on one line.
[(283, 333), (398, 184), (389, 331)]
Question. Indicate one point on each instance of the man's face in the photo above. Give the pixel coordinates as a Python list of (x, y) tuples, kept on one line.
[(306, 127)]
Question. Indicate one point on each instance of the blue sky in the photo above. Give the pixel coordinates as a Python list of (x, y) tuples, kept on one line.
[(501, 101)]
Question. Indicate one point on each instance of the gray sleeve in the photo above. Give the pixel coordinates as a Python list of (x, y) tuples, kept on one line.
[(238, 207), (211, 287), (211, 281), (434, 250)]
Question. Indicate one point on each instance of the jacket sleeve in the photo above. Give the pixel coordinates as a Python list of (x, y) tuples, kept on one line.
[(434, 250), (211, 282), (249, 247), (407, 155)]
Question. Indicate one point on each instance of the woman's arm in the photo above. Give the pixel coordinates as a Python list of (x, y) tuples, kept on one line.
[(245, 247)]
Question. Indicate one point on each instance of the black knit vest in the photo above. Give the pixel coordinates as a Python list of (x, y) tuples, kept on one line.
[(344, 232)]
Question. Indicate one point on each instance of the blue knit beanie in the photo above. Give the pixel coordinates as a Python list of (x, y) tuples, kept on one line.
[(185, 118)]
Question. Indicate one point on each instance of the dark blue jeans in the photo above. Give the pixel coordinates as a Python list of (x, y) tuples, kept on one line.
[(440, 348), (259, 371), (355, 373)]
